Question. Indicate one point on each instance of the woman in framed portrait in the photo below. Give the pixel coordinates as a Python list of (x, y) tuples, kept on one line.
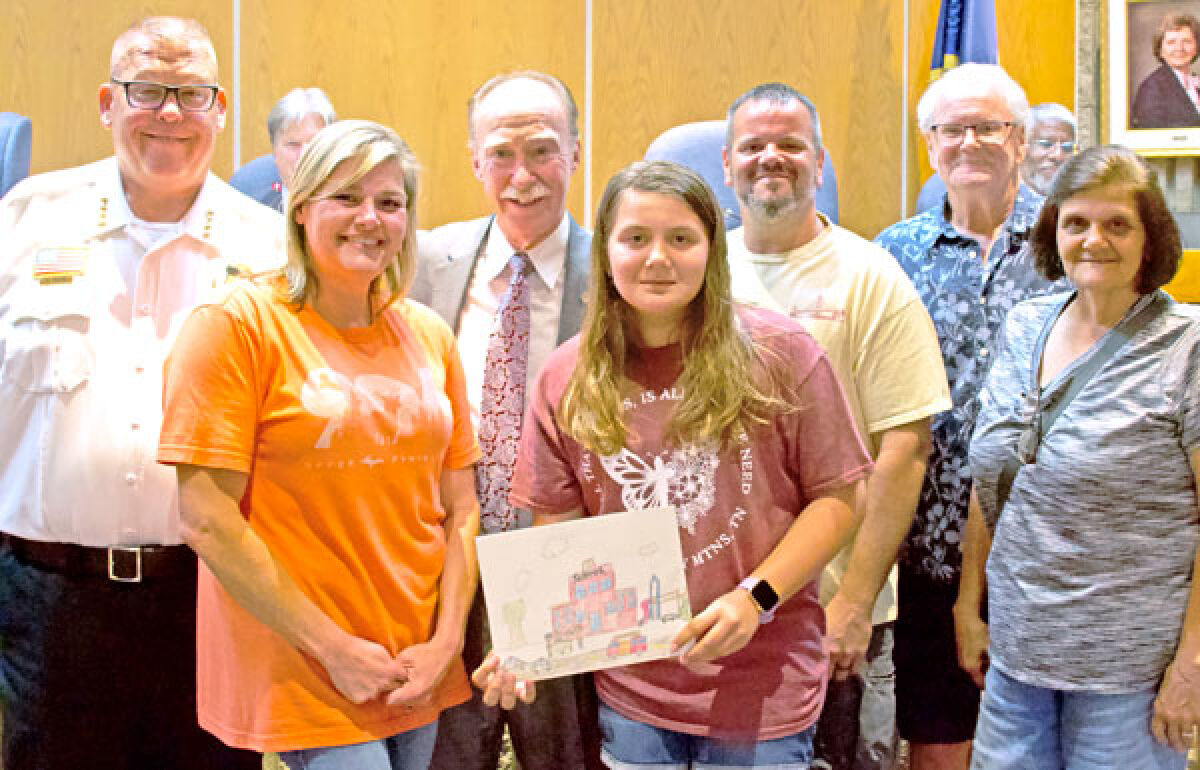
[(1169, 97)]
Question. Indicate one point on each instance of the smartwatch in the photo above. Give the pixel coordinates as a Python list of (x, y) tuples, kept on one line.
[(763, 596)]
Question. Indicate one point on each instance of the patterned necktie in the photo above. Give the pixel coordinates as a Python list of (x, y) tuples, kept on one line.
[(502, 405)]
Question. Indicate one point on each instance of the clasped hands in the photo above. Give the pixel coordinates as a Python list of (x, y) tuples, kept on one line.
[(362, 670), (724, 627)]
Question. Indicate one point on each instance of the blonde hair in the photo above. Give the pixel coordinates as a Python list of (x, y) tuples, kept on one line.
[(363, 145), (727, 384)]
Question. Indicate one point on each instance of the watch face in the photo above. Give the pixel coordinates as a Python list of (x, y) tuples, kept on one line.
[(764, 595)]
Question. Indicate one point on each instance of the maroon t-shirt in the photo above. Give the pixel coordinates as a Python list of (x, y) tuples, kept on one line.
[(733, 506)]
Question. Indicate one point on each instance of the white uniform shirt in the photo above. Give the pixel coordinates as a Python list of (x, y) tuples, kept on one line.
[(488, 285), (81, 359)]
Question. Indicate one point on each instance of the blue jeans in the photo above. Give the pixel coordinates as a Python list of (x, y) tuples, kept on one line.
[(631, 745), (857, 729), (409, 750), (1022, 727)]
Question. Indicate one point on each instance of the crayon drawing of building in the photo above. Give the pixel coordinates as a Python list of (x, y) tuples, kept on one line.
[(595, 605)]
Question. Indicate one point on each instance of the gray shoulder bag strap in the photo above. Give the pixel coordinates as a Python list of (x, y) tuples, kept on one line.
[(1044, 415)]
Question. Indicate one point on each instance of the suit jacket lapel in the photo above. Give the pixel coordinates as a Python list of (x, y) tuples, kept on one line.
[(575, 277), (450, 281), (1187, 97), (1187, 108)]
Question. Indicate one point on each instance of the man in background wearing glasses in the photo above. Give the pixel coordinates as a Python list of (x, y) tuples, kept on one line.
[(968, 261), (99, 266), (1051, 131)]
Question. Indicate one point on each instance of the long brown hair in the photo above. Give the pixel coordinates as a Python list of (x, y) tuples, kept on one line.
[(727, 383)]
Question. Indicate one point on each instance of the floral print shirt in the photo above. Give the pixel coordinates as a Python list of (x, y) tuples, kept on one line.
[(968, 301)]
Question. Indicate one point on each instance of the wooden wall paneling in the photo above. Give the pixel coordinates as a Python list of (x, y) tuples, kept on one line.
[(411, 66), (1037, 47), (657, 65), (1036, 40), (54, 56)]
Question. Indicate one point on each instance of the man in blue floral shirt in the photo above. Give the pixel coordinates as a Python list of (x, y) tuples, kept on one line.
[(968, 261)]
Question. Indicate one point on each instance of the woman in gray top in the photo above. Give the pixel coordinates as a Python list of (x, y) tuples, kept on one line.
[(1084, 506)]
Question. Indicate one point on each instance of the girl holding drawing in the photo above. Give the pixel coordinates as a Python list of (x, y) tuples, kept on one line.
[(671, 396)]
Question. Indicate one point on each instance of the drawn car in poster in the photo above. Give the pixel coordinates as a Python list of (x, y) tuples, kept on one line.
[(629, 643)]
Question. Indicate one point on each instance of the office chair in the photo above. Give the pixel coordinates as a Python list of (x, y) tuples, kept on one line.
[(16, 145), (260, 180), (933, 192), (698, 146)]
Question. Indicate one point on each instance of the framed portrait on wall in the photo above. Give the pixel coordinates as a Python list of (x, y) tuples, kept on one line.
[(1154, 75)]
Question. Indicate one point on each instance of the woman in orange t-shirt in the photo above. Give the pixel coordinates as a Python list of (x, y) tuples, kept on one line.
[(325, 456)]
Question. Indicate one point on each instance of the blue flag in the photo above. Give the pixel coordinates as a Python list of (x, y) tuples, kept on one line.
[(966, 32)]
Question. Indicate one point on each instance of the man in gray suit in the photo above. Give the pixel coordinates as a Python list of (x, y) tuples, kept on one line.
[(524, 142)]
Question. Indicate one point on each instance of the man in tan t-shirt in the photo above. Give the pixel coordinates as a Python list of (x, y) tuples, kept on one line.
[(857, 302)]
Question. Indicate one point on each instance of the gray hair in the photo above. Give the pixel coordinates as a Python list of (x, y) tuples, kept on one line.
[(295, 106), (556, 85), (1048, 111), (775, 93), (972, 80)]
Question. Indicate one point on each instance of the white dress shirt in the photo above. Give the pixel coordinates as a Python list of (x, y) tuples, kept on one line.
[(81, 359), (488, 285)]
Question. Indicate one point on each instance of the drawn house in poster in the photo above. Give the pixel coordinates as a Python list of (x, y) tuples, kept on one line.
[(585, 594), (595, 605)]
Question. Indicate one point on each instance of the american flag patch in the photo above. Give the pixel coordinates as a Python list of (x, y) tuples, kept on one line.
[(59, 264)]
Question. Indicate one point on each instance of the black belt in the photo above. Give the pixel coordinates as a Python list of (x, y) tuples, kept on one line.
[(122, 564)]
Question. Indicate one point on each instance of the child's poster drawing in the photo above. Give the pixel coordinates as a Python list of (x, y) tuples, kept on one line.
[(586, 594)]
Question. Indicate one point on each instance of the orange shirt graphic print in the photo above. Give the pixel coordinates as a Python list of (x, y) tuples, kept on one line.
[(384, 410)]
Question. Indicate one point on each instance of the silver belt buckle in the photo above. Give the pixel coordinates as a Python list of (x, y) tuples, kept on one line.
[(118, 573)]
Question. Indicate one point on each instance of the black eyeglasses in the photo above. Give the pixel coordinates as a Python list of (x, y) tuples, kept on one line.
[(144, 95), (986, 132)]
